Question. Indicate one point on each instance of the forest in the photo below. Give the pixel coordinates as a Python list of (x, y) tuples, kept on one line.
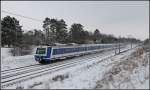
[(54, 31)]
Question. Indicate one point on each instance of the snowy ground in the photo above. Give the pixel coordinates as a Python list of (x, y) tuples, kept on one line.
[(131, 72), (8, 61), (94, 75)]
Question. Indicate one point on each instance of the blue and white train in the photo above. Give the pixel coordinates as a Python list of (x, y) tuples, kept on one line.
[(46, 54)]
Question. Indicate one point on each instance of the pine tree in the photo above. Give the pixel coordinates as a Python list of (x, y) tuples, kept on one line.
[(97, 36), (56, 30), (77, 33), (61, 31), (11, 31)]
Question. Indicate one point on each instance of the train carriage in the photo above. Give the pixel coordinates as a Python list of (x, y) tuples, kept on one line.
[(48, 53)]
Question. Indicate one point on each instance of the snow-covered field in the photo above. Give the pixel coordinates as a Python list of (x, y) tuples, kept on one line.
[(89, 75), (9, 62), (131, 72)]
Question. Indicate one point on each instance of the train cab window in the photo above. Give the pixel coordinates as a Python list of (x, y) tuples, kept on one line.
[(41, 51)]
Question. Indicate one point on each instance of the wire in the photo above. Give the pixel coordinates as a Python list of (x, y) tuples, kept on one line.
[(21, 16)]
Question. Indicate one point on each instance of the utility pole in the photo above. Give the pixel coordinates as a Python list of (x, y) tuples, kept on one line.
[(131, 43), (130, 37), (119, 43), (116, 48)]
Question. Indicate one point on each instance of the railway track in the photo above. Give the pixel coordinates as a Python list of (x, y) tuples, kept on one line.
[(19, 68), (8, 75), (24, 68), (17, 75), (36, 66)]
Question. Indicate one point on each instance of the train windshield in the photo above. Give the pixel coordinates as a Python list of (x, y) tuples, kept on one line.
[(41, 51)]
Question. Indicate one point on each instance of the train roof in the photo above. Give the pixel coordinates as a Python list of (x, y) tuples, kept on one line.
[(78, 45)]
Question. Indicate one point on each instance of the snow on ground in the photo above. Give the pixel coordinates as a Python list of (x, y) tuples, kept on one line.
[(89, 75), (130, 73), (8, 61), (5, 53)]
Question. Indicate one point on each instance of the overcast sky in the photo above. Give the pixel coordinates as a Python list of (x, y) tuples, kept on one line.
[(111, 17)]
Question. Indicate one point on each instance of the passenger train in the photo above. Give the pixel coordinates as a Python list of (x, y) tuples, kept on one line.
[(45, 54)]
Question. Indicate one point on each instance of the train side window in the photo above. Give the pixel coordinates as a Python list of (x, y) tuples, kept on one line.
[(66, 50), (76, 49), (57, 51), (54, 51), (63, 50)]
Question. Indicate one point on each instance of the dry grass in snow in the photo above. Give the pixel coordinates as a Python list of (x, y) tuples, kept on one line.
[(131, 73)]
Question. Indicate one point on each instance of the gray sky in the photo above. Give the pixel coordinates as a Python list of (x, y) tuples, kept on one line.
[(111, 17)]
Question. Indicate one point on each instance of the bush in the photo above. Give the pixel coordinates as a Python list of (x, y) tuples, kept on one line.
[(22, 50), (60, 77)]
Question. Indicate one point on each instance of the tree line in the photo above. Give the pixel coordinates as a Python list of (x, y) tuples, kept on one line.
[(54, 31)]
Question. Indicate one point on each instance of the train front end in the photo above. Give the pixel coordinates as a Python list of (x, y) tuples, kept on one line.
[(43, 54)]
